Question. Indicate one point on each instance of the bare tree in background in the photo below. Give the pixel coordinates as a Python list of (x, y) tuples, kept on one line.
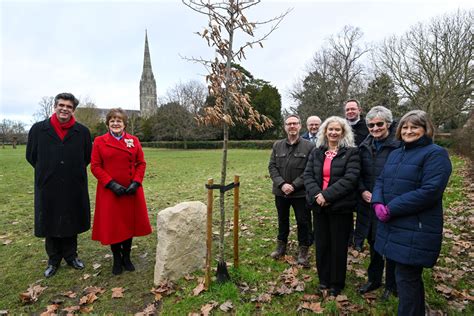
[(226, 22), (87, 113), (46, 106), (335, 74), (12, 131), (432, 65)]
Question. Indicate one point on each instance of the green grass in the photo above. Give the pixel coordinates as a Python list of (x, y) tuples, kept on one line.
[(175, 176)]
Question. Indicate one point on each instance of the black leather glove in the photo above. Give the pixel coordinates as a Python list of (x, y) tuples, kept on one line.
[(132, 188), (116, 188)]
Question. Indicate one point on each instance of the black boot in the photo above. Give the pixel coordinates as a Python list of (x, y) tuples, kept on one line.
[(303, 256), (117, 265), (280, 250), (126, 249)]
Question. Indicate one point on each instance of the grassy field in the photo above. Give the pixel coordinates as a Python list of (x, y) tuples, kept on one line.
[(177, 176)]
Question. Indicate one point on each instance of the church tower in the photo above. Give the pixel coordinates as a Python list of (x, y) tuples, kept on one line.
[(148, 101)]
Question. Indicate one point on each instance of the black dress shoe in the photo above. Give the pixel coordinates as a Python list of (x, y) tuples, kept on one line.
[(386, 294), (369, 286), (334, 292), (50, 270), (76, 263)]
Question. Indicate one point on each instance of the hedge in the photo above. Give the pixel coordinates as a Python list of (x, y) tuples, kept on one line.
[(242, 144)]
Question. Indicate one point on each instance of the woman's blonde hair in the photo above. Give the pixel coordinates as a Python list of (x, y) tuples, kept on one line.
[(347, 139)]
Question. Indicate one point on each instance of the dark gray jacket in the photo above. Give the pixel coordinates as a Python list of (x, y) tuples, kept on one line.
[(287, 164)]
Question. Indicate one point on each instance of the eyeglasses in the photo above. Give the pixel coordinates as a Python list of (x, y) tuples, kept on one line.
[(372, 125), (292, 123)]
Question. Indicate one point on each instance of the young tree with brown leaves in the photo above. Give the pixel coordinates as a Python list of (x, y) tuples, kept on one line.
[(226, 20)]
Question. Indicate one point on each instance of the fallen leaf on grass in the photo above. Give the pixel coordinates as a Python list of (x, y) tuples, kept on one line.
[(71, 309), (207, 308), (32, 293), (227, 306), (444, 289), (314, 307), (198, 289), (150, 309), (96, 266), (370, 297), (85, 276), (165, 287), (88, 299), (117, 292), (189, 277), (50, 310), (7, 242), (108, 256), (158, 297), (94, 289), (86, 309), (3, 312), (69, 294), (310, 297), (283, 289), (263, 298), (341, 298)]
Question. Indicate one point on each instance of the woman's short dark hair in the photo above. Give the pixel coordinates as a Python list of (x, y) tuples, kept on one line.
[(116, 112), (419, 118)]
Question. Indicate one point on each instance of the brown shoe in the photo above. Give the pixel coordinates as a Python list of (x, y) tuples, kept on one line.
[(280, 250), (303, 256)]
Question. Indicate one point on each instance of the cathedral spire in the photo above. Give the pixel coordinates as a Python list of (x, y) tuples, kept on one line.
[(148, 101)]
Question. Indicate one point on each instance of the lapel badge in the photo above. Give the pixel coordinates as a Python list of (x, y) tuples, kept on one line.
[(129, 142)]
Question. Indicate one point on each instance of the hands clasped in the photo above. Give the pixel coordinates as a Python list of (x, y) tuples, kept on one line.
[(120, 190)]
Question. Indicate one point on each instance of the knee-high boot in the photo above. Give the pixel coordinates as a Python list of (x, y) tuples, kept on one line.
[(126, 249), (117, 265)]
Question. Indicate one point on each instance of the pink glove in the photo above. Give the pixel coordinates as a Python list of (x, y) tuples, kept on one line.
[(382, 212)]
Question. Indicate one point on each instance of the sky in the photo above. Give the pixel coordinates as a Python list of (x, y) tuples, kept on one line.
[(94, 48)]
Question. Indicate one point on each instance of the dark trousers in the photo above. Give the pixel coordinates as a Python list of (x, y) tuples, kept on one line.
[(376, 265), (331, 235), (411, 291), (58, 248), (302, 215)]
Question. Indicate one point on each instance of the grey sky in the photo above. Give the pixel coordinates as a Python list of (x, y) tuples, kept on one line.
[(94, 49)]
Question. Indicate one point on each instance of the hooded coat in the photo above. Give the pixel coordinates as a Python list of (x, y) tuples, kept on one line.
[(62, 206), (118, 218)]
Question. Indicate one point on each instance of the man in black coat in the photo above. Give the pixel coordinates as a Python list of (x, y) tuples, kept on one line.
[(352, 111), (59, 149), (287, 163)]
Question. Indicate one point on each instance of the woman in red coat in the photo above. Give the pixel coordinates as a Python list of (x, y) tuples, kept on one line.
[(120, 208)]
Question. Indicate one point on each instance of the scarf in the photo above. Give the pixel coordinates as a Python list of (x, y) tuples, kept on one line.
[(61, 129)]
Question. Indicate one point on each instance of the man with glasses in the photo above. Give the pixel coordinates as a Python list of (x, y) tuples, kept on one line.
[(312, 125), (59, 149), (287, 163)]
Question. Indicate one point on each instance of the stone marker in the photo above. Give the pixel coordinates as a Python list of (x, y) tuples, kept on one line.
[(181, 247)]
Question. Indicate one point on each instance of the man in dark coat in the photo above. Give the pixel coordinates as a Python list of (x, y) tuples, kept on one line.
[(287, 163), (353, 111), (59, 149)]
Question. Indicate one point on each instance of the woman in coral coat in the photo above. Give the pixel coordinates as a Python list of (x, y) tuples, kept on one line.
[(120, 210)]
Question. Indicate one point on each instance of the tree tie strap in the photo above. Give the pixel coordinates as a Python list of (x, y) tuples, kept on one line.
[(222, 188)]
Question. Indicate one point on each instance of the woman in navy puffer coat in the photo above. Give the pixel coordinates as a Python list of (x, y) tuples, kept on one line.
[(407, 199)]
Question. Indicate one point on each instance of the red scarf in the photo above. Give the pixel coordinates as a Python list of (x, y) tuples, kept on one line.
[(61, 129)]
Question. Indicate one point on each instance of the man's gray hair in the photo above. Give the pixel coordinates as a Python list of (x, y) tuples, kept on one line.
[(380, 112), (292, 115)]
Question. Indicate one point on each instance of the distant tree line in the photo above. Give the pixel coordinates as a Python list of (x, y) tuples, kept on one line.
[(429, 68)]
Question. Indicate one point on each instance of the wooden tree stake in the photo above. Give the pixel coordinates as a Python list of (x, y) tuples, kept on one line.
[(236, 221), (210, 201)]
